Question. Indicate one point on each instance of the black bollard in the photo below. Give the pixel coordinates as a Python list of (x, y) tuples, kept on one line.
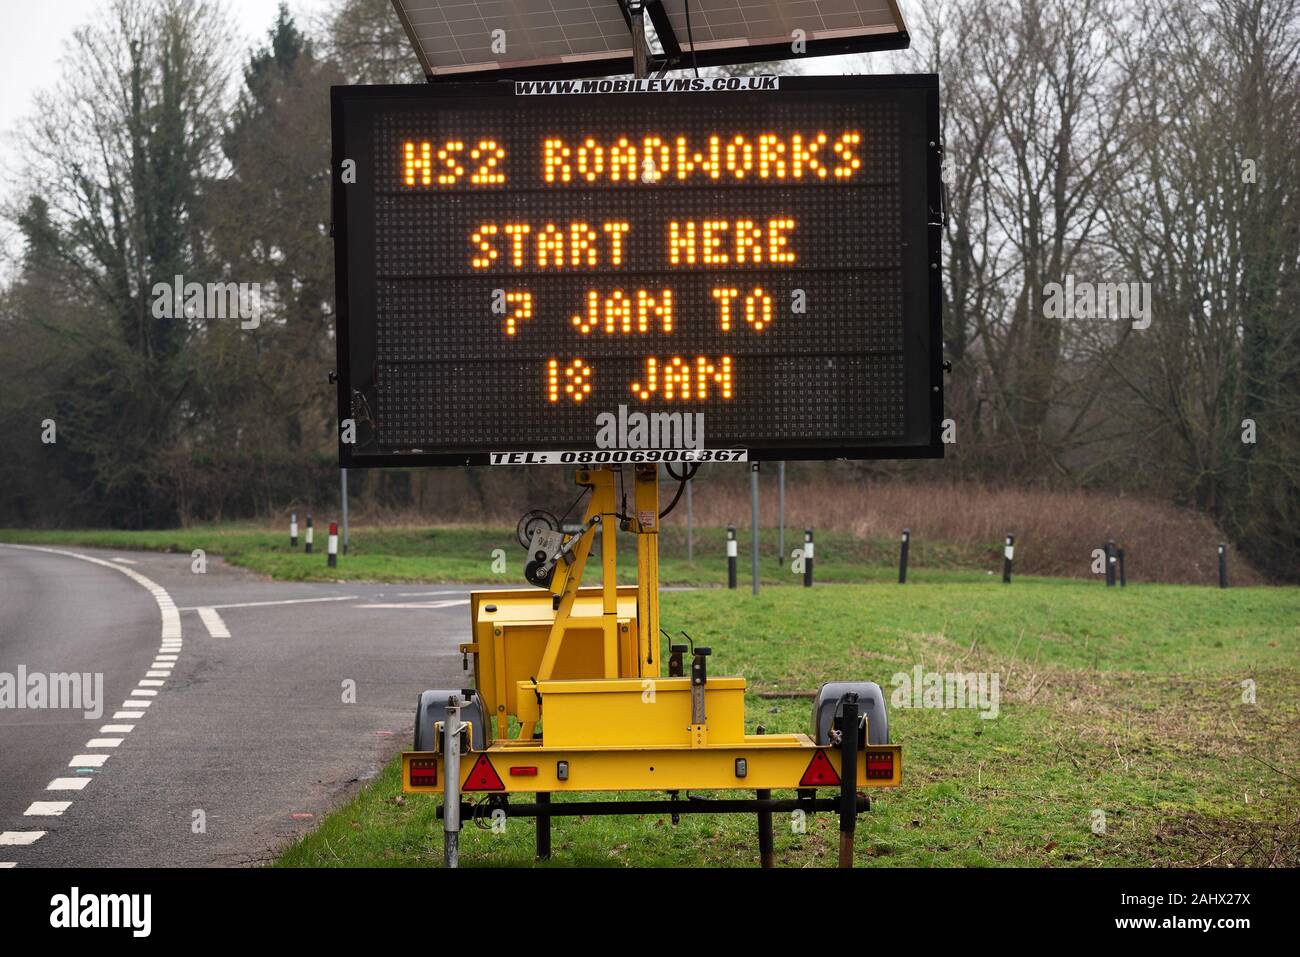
[(1008, 556), (1111, 558), (309, 533), (293, 529), (731, 556), (902, 558), (807, 557), (1223, 565), (1121, 568)]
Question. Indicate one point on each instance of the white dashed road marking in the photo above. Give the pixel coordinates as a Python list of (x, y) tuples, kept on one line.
[(88, 761), (47, 808), (21, 837), (67, 784), (212, 621), (103, 742), (117, 729)]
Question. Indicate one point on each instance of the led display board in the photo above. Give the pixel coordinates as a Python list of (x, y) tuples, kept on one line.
[(517, 263)]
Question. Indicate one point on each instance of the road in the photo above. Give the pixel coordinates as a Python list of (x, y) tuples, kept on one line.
[(224, 729)]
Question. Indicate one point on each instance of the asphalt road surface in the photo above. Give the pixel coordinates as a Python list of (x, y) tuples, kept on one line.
[(222, 703)]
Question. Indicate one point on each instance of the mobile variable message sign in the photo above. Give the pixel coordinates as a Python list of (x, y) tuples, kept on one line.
[(514, 259)]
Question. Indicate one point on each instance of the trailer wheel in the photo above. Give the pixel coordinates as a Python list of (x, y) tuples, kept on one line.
[(432, 708), (871, 705)]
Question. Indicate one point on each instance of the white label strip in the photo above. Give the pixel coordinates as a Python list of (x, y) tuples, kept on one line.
[(688, 84)]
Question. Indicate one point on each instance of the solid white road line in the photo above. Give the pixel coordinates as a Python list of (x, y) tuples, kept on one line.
[(117, 729), (88, 761), (212, 621), (103, 742), (261, 604), (5, 865), (418, 604), (44, 808), (67, 784), (21, 837)]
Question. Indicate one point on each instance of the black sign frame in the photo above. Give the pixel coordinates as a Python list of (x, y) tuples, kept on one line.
[(923, 323)]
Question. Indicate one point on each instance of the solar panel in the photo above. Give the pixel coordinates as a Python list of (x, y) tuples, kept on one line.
[(495, 39)]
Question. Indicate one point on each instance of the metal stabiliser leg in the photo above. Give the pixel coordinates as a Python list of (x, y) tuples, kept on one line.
[(451, 784), (766, 848), (848, 778), (543, 826)]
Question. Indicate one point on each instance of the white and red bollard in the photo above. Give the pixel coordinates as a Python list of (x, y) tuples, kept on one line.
[(333, 545)]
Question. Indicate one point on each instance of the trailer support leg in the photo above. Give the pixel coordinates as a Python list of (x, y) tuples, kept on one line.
[(848, 778), (543, 827), (451, 785), (766, 853)]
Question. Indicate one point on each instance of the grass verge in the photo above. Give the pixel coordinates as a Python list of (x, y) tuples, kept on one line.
[(1128, 704), (467, 553)]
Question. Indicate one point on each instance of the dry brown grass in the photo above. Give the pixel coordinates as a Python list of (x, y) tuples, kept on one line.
[(1052, 528), (1055, 529)]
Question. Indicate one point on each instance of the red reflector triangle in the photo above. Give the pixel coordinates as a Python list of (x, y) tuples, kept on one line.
[(484, 777), (820, 773)]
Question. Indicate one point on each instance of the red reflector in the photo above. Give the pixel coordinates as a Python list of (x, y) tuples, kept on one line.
[(483, 777), (820, 773), (518, 772)]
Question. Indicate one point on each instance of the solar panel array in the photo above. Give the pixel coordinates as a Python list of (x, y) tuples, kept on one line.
[(454, 38)]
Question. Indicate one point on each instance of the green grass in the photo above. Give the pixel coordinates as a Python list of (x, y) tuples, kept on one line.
[(1127, 702), (1124, 702), (466, 554)]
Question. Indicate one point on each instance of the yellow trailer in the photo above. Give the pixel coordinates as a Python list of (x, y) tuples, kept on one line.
[(579, 670)]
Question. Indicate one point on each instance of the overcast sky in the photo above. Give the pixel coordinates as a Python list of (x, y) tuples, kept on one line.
[(33, 40)]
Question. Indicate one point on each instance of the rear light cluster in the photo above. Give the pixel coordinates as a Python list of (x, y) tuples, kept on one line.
[(880, 764), (424, 773)]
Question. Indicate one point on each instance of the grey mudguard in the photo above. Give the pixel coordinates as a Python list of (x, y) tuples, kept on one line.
[(871, 704), (433, 708)]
